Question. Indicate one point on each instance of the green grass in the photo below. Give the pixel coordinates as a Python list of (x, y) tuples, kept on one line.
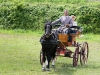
[(19, 55)]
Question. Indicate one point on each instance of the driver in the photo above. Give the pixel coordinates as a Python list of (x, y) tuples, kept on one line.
[(65, 20)]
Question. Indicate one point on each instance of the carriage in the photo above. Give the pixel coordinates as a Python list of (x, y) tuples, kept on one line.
[(80, 50)]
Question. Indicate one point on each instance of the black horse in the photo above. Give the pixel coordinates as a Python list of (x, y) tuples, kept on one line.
[(49, 45)]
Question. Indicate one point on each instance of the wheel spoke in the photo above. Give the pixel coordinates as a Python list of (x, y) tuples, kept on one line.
[(75, 57), (84, 53), (41, 57)]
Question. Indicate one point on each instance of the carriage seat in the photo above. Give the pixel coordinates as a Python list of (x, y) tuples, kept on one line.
[(74, 31), (72, 34), (77, 33)]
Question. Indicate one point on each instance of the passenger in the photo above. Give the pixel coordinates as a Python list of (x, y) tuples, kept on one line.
[(75, 24), (73, 30), (73, 19)]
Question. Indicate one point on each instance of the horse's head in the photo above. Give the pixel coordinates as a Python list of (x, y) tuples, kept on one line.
[(48, 28)]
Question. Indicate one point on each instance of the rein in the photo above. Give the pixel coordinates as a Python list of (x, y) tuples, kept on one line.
[(50, 34)]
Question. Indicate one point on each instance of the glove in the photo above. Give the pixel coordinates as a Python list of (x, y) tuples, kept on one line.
[(67, 25)]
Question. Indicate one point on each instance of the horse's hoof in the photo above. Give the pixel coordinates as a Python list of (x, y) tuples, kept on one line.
[(53, 66), (43, 69), (46, 66), (47, 69)]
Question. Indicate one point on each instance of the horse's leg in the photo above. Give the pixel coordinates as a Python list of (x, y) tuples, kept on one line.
[(48, 59), (46, 62), (54, 57), (53, 62), (44, 58)]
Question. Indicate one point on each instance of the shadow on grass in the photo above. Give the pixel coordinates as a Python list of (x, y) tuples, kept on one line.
[(65, 69), (89, 66)]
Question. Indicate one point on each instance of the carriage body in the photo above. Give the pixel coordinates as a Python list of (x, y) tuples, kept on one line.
[(63, 38), (81, 50)]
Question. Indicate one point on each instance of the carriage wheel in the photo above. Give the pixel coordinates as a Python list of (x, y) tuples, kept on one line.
[(84, 53), (75, 57), (41, 57)]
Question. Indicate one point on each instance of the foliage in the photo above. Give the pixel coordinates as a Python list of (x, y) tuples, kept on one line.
[(24, 16), (90, 17), (21, 15)]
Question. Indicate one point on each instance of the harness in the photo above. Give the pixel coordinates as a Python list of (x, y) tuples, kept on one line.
[(51, 41)]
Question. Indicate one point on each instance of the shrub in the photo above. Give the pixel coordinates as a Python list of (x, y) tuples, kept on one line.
[(88, 17), (19, 15), (23, 16)]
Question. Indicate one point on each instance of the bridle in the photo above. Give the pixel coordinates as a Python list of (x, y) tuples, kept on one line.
[(48, 31)]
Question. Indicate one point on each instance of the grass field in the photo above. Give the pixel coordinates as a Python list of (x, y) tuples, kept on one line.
[(19, 55)]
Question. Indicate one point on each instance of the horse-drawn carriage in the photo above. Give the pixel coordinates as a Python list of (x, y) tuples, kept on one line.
[(81, 50)]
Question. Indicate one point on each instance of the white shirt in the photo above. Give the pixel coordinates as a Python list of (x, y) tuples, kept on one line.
[(74, 23), (64, 20)]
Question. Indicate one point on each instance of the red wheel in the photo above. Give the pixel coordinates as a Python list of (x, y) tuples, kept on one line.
[(75, 57), (41, 57), (84, 53)]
